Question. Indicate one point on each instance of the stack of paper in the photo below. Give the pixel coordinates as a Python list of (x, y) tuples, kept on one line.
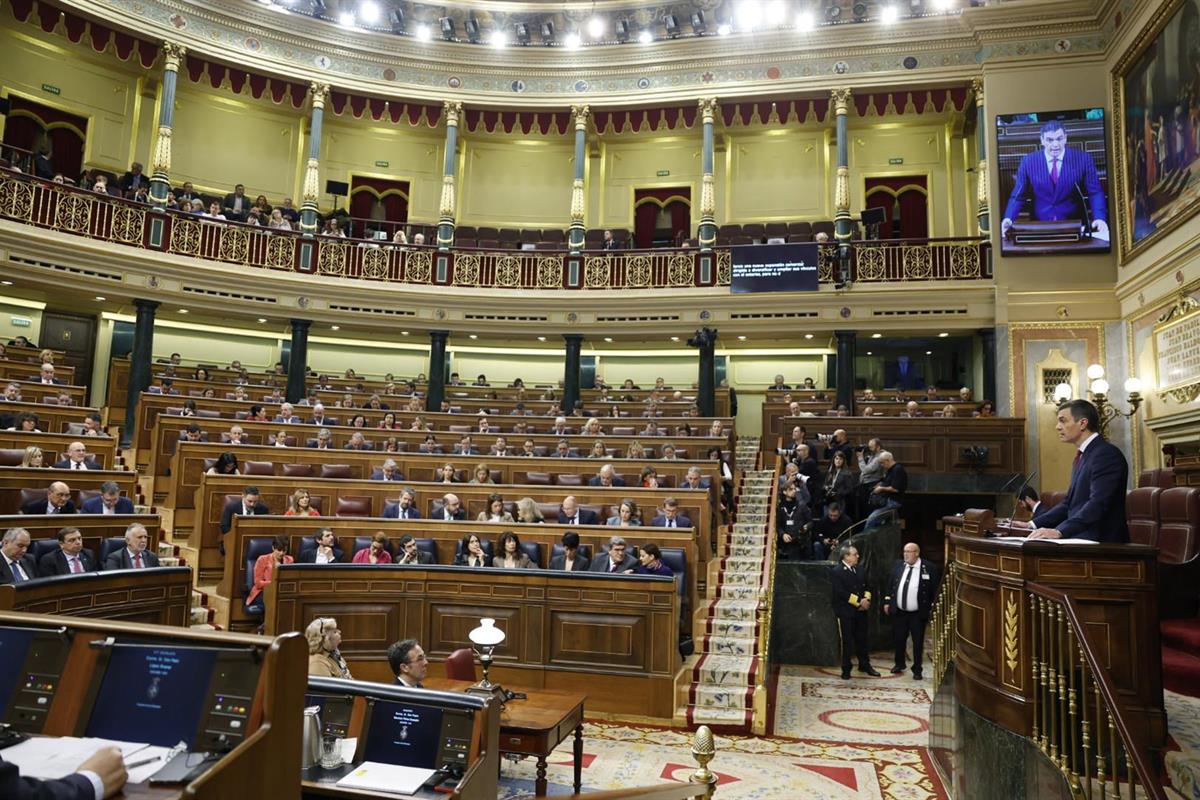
[(372, 776), (50, 757)]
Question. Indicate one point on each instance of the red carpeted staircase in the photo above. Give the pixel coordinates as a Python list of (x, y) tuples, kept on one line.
[(1181, 655)]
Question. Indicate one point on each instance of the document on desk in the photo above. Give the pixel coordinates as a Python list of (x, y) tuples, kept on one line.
[(372, 776), (49, 757)]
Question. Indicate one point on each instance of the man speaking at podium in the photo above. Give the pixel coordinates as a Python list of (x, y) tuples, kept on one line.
[(1061, 180), (1095, 504)]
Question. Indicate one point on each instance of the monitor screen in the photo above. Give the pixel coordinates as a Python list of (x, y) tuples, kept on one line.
[(774, 268), (1053, 171), (404, 733), (14, 647), (152, 694)]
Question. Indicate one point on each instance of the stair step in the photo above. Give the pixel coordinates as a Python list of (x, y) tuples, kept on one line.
[(721, 698), (717, 716), (721, 670)]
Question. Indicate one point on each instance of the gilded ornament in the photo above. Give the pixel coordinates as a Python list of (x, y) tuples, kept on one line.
[(577, 201), (234, 244), (597, 272), (708, 109), (453, 111), (161, 163), (312, 181), (446, 206), (466, 269), (841, 189), (708, 198), (332, 259), (549, 272), (841, 101), (374, 263), (173, 56), (417, 266)]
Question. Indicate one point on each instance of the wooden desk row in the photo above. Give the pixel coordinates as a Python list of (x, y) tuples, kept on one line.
[(155, 596), (54, 419), (447, 536), (613, 637), (94, 527), (32, 353), (36, 390), (15, 479), (12, 370), (102, 449), (776, 419), (373, 495)]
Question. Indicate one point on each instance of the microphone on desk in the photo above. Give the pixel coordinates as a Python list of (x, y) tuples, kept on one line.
[(1087, 214)]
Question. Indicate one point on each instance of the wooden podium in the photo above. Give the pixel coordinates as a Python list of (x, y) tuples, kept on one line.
[(1114, 591)]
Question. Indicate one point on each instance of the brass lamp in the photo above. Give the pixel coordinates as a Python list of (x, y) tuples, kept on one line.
[(1099, 389), (486, 638)]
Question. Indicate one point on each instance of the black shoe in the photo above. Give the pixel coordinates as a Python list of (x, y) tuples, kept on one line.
[(845, 676), (916, 676), (897, 670), (874, 673)]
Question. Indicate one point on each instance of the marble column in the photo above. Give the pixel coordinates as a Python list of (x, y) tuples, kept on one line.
[(571, 371), (706, 380), (160, 165), (988, 338), (981, 170), (435, 393), (445, 231), (578, 190), (846, 341), (312, 170), (139, 364), (298, 361), (843, 225), (707, 232)]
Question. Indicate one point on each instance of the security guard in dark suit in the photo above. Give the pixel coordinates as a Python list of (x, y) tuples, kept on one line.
[(912, 589), (851, 601)]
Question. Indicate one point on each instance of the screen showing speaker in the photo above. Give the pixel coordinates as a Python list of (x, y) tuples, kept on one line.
[(774, 268), (1053, 176)]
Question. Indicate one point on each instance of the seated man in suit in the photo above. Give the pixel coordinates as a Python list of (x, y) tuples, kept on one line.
[(1028, 498), (560, 427), (464, 447), (913, 409), (248, 505), (319, 418), (134, 554), (77, 458), (1094, 507), (563, 450), (287, 415), (70, 558), (616, 561), (57, 501), (326, 550), (409, 554), (571, 559), (99, 777), (693, 480), (16, 564), (405, 509), (452, 510), (408, 663), (607, 477), (109, 501), (390, 471), (671, 518), (569, 513), (48, 376), (358, 442), (236, 205)]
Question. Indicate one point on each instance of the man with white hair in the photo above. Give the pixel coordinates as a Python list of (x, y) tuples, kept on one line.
[(134, 554), (390, 471), (48, 375), (16, 563), (607, 477), (77, 458), (560, 427), (887, 494), (287, 415), (319, 418), (56, 501)]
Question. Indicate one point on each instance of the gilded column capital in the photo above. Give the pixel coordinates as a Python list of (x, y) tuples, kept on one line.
[(708, 109), (841, 100), (453, 109), (319, 93), (977, 90), (312, 182), (581, 114), (173, 56)]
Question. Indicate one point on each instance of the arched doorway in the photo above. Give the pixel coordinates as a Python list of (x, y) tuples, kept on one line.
[(31, 126), (905, 203), (662, 217), (378, 204)]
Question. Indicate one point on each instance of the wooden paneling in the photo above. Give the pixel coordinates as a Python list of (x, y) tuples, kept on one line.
[(94, 527), (158, 596), (102, 449), (32, 371), (54, 418), (14, 479)]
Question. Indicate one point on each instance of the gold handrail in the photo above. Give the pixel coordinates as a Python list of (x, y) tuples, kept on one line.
[(941, 625), (765, 595), (1078, 722)]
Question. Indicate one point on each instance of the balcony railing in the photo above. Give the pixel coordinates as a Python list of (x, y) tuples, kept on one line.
[(79, 212)]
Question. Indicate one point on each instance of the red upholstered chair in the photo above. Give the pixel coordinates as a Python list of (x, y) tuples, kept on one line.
[(802, 228), (568, 479), (258, 467), (1166, 478), (336, 471), (298, 470), (1141, 513), (1051, 499), (354, 507), (29, 495), (12, 456), (460, 665), (549, 511), (1179, 524), (536, 478)]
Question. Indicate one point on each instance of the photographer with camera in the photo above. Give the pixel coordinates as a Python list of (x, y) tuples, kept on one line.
[(836, 443), (887, 494), (870, 472), (792, 519)]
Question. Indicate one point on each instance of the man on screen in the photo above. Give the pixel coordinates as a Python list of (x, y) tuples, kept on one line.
[(1059, 179)]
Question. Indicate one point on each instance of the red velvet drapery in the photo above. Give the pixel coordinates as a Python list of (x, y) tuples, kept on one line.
[(905, 203), (676, 201), (30, 124), (379, 199)]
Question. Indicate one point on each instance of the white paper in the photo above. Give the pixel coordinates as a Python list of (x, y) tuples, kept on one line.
[(372, 776), (349, 748), (51, 757)]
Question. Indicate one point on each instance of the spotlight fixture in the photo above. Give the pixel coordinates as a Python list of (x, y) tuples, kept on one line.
[(671, 23), (396, 20), (572, 41), (368, 12), (805, 22), (522, 31), (423, 33), (472, 28), (699, 27), (776, 13), (447, 28), (645, 37), (547, 33), (833, 11), (860, 10), (622, 30), (724, 29), (943, 335), (888, 15), (346, 18), (498, 38), (749, 15), (595, 27)]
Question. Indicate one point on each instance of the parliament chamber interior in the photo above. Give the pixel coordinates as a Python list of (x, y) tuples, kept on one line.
[(495, 400)]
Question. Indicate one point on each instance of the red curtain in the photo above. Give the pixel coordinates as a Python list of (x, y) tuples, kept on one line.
[(905, 203), (648, 222), (379, 199), (29, 124)]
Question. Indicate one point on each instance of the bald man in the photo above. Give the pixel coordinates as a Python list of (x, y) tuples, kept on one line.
[(56, 501), (912, 590)]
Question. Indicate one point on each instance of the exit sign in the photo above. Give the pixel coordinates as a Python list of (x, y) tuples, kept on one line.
[(662, 173), (383, 164), (51, 89), (895, 160)]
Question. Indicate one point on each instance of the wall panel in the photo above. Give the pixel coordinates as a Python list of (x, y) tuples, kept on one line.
[(778, 175)]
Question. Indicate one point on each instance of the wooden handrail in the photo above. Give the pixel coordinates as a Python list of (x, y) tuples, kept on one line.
[(674, 791), (1102, 683)]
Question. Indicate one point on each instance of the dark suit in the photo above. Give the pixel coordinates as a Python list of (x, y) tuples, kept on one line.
[(36, 507), (14, 787), (309, 555), (457, 516), (680, 521), (27, 566), (1094, 507), (56, 563), (66, 464), (422, 558), (227, 206), (581, 563), (849, 587), (1057, 200), (603, 561), (379, 476), (911, 621), (393, 512), (585, 516), (235, 507), (121, 560), (616, 481), (292, 420), (96, 506)]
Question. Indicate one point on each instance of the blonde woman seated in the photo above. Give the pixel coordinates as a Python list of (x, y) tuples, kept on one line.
[(446, 474), (528, 512), (495, 510), (278, 221), (627, 515), (598, 450), (511, 556), (635, 450), (471, 553), (377, 553), (948, 411), (324, 638), (592, 427), (483, 475), (33, 457), (399, 237), (300, 505)]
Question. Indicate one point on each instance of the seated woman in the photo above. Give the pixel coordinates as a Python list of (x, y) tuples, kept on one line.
[(27, 422), (528, 512), (483, 474), (391, 445), (447, 474), (418, 424), (377, 553), (592, 427), (649, 478), (495, 510), (256, 414), (471, 553), (209, 393), (948, 410), (264, 572), (189, 408), (627, 515), (201, 374), (986, 409), (389, 422), (324, 638), (511, 556), (358, 421), (651, 562), (635, 450), (571, 559), (226, 464), (33, 457), (300, 505), (281, 439), (597, 450)]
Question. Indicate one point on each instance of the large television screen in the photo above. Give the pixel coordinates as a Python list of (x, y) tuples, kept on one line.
[(1053, 171), (774, 268)]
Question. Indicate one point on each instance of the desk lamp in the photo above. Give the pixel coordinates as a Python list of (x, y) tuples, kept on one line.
[(486, 638)]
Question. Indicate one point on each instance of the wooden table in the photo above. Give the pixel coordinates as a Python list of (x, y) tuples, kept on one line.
[(536, 725)]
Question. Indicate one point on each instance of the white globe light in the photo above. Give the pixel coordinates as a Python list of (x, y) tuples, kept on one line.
[(1100, 386), (646, 37), (749, 15), (889, 14), (1133, 385), (571, 41), (724, 29), (423, 33), (805, 21), (776, 13), (346, 18), (596, 27), (369, 12), (943, 5), (1062, 392), (1095, 371)]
